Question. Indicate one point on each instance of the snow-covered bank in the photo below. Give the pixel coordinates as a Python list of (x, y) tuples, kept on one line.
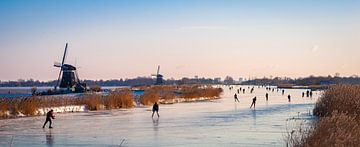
[(182, 100), (62, 109)]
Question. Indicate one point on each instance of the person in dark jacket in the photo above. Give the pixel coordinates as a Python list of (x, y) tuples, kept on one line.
[(267, 96), (236, 98), (253, 102), (289, 98), (155, 109), (50, 115)]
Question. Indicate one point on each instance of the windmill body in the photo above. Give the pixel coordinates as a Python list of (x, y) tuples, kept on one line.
[(68, 78), (159, 77)]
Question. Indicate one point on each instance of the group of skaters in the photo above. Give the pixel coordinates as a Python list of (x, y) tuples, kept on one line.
[(155, 109), (309, 93)]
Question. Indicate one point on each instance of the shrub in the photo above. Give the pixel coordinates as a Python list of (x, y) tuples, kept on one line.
[(33, 90), (339, 98), (149, 97), (95, 88), (196, 91), (93, 101), (339, 129), (168, 96), (29, 106), (339, 123), (119, 99), (3, 108)]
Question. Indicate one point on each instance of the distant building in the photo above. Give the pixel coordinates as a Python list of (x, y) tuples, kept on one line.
[(217, 80), (241, 80)]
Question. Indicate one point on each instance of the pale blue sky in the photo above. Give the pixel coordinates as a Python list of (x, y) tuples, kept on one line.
[(125, 39)]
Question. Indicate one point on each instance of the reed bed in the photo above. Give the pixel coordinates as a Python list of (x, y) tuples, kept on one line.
[(153, 94), (30, 105), (150, 96), (338, 110), (119, 98)]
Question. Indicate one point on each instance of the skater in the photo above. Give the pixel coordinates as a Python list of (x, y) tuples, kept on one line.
[(253, 102), (155, 109), (238, 91), (236, 98), (282, 92), (267, 96), (289, 97), (244, 90), (311, 94), (50, 115), (307, 93), (303, 94)]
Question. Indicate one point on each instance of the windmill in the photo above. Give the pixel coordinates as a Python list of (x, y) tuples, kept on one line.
[(69, 76), (159, 77)]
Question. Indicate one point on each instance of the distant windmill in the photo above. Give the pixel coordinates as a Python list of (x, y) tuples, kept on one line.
[(159, 77), (69, 77)]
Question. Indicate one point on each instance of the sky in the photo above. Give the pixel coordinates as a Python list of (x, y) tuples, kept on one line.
[(113, 39)]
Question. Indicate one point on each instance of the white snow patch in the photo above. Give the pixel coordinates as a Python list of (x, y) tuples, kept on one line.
[(62, 109)]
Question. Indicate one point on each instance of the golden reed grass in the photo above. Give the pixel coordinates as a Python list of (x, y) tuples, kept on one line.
[(338, 124), (153, 94), (28, 106), (120, 98)]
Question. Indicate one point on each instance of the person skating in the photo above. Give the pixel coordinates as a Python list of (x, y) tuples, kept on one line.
[(155, 109), (267, 96), (289, 97), (49, 115), (236, 98), (307, 93), (253, 102)]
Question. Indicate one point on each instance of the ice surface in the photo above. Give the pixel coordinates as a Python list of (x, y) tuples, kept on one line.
[(219, 122)]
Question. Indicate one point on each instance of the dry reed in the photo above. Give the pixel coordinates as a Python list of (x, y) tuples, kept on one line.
[(338, 124)]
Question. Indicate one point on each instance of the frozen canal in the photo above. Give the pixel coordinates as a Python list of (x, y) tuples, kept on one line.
[(213, 123)]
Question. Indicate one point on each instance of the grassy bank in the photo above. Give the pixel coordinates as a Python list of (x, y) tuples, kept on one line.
[(338, 110), (172, 94), (36, 105), (116, 99)]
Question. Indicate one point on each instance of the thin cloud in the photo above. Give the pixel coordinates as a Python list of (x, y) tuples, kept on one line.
[(315, 49), (194, 28)]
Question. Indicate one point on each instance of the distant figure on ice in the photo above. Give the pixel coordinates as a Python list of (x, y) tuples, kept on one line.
[(253, 102), (252, 90), (310, 93), (244, 90), (289, 97), (155, 109), (307, 93), (50, 115), (282, 92), (238, 91), (303, 94), (236, 98), (267, 96)]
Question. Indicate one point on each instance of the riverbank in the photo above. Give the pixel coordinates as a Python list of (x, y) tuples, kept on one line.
[(115, 99), (338, 124), (218, 122)]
